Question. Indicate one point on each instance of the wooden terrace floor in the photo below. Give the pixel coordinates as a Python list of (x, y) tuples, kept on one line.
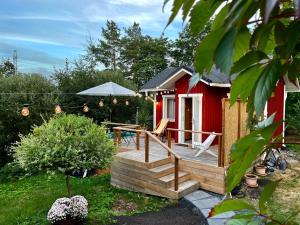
[(185, 152)]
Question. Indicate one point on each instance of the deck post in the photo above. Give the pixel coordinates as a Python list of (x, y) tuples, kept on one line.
[(119, 137), (146, 148), (115, 137), (176, 173), (220, 152), (137, 140), (169, 141)]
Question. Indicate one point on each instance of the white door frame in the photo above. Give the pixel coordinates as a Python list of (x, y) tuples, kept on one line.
[(181, 115)]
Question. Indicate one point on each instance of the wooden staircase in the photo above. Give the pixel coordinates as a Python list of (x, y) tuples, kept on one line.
[(156, 177)]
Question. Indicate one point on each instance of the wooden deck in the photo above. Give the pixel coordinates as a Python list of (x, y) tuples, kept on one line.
[(129, 170)]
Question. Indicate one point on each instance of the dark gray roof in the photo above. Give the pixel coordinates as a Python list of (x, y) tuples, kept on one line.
[(215, 76)]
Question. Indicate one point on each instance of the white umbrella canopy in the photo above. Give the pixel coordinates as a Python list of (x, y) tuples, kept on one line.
[(108, 89)]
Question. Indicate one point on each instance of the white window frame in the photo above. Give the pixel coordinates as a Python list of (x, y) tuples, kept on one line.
[(165, 107)]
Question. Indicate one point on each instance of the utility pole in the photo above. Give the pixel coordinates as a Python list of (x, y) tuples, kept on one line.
[(15, 61)]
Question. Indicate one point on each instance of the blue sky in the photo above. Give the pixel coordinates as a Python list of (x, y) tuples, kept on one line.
[(46, 32)]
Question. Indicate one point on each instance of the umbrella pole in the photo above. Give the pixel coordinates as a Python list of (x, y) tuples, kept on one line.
[(110, 109)]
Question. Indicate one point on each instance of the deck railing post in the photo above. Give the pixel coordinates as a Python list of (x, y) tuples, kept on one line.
[(115, 137), (146, 148), (119, 137), (220, 152), (176, 173), (137, 140), (169, 140)]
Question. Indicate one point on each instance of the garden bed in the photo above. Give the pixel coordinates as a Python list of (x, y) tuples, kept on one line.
[(27, 201)]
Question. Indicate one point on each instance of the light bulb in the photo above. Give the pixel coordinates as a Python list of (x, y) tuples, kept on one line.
[(85, 108), (115, 101), (127, 102), (101, 103), (25, 110), (57, 109)]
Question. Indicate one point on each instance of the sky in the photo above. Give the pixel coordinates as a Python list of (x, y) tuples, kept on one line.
[(46, 32)]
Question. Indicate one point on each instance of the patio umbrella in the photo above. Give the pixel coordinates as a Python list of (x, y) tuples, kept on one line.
[(108, 89)]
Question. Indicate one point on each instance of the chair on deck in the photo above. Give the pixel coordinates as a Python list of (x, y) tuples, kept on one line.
[(161, 128), (205, 146)]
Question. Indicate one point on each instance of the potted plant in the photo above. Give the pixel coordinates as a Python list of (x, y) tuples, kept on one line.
[(261, 170), (251, 180)]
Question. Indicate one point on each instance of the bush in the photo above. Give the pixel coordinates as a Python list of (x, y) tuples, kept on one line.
[(16, 91), (11, 172), (66, 144)]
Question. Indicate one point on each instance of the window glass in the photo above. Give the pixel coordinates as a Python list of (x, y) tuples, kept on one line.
[(171, 108)]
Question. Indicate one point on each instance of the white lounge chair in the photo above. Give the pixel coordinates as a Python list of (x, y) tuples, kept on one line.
[(204, 147)]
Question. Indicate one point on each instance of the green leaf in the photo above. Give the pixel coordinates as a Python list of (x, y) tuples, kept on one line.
[(241, 43), (237, 222), (231, 205), (293, 35), (201, 13), (270, 4), (220, 18), (187, 5), (244, 83), (247, 60), (194, 80), (266, 84), (266, 196), (245, 151), (177, 4), (225, 50), (261, 36), (245, 215), (205, 50), (267, 122), (280, 33)]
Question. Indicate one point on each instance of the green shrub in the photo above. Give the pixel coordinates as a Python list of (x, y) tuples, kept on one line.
[(11, 172), (66, 144)]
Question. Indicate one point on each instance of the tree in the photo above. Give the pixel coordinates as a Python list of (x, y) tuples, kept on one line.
[(65, 144), (142, 57), (7, 68), (259, 59), (293, 112), (34, 90), (183, 48), (107, 51), (83, 75)]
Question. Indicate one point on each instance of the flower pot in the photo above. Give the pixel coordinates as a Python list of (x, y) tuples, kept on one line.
[(251, 180), (261, 170), (69, 222)]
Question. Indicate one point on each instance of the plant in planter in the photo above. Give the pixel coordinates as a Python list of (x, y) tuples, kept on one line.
[(69, 211)]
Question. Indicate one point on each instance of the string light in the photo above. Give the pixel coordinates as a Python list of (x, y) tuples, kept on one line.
[(101, 103), (25, 111), (126, 102), (85, 108), (57, 109), (115, 101)]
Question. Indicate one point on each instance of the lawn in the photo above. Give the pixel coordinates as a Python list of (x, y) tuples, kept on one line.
[(27, 201)]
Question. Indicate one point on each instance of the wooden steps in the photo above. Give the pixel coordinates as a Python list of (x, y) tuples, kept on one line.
[(129, 171)]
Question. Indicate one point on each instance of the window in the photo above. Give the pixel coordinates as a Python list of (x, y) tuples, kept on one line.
[(169, 107)]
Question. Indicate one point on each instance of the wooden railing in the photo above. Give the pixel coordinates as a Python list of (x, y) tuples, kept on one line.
[(220, 141), (148, 135)]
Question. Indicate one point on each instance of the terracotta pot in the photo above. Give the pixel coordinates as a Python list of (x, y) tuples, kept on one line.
[(70, 222), (251, 180), (261, 170)]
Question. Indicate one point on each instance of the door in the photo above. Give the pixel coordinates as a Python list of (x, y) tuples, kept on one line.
[(188, 120)]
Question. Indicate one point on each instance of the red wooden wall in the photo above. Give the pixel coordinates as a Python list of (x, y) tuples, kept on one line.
[(211, 108), (276, 104)]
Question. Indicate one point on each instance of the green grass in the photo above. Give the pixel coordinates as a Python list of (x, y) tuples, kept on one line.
[(27, 201)]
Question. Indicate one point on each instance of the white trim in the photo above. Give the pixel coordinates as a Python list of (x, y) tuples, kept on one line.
[(154, 112), (164, 110), (284, 105), (178, 72), (153, 90), (181, 111)]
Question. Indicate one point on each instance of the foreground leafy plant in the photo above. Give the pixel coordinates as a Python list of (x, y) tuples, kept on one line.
[(259, 59), (65, 144)]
